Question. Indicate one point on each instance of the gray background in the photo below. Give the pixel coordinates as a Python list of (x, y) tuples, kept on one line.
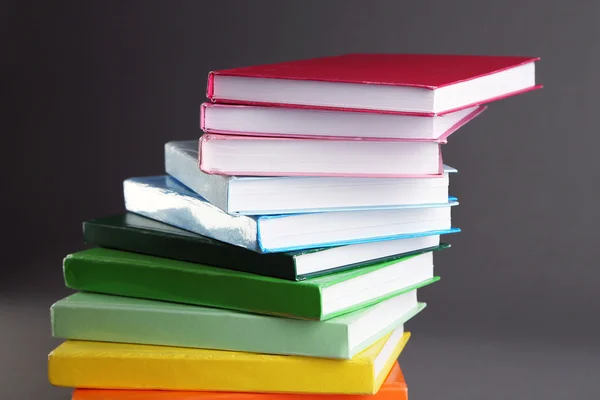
[(94, 90)]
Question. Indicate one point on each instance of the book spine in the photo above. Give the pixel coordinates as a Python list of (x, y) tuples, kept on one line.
[(210, 85), (189, 284), (203, 107)]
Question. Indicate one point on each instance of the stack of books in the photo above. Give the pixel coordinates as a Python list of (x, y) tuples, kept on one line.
[(281, 253)]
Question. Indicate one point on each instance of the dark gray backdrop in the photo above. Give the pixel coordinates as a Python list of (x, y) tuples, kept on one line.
[(96, 88)]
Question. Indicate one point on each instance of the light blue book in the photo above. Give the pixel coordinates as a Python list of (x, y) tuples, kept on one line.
[(293, 195), (165, 199)]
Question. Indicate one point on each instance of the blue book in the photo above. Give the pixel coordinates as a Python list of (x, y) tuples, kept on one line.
[(165, 199), (300, 194)]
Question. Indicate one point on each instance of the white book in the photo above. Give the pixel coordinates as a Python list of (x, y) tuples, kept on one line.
[(306, 122), (275, 156), (285, 195)]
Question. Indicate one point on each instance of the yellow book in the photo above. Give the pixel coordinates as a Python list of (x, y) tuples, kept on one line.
[(103, 365)]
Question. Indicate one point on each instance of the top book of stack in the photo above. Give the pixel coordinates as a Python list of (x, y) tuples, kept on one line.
[(413, 84)]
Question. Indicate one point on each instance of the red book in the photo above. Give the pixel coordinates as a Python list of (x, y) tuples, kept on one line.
[(394, 388), (417, 84)]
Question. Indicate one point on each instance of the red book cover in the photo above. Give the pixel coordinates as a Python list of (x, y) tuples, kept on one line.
[(425, 71)]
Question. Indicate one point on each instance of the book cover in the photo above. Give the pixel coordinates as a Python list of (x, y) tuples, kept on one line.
[(84, 364), (293, 195), (394, 388), (108, 318), (427, 72), (164, 199), (137, 275)]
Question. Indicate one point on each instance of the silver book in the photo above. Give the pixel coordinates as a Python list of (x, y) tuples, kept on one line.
[(165, 199), (246, 195)]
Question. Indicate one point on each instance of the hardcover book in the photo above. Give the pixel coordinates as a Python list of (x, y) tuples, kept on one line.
[(164, 199), (313, 123), (419, 84), (300, 194), (84, 364), (135, 233), (394, 388), (137, 275), (107, 318), (276, 156)]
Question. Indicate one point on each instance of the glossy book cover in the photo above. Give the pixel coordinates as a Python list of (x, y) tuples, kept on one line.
[(165, 199)]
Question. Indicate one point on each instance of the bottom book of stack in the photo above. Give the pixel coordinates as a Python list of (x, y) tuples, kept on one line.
[(393, 388)]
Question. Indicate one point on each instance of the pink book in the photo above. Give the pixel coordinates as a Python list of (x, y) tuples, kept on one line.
[(417, 84), (315, 123), (237, 155)]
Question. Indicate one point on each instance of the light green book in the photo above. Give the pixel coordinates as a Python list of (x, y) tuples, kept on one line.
[(109, 318)]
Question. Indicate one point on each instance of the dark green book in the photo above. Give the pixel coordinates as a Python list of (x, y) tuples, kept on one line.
[(138, 275), (135, 233)]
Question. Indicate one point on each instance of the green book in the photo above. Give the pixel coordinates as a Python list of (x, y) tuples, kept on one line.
[(135, 233), (138, 275), (108, 318)]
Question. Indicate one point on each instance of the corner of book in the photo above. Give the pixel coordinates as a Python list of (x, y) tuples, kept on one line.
[(202, 121), (170, 145), (210, 85), (55, 376), (51, 375), (69, 263), (374, 390), (443, 246), (68, 260), (52, 358), (53, 308), (57, 304), (71, 257), (78, 394)]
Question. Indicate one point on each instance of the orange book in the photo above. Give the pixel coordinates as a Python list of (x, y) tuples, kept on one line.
[(393, 388)]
